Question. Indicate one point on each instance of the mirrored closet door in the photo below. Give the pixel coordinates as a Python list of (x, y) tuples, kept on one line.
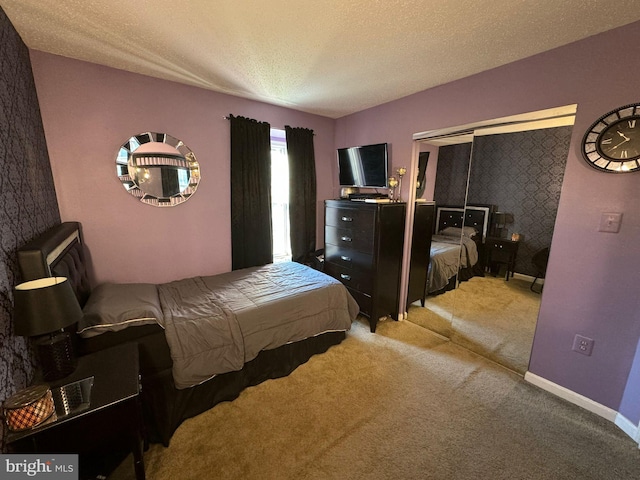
[(496, 186)]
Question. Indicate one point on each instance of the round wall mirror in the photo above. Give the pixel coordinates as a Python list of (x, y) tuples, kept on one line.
[(158, 169)]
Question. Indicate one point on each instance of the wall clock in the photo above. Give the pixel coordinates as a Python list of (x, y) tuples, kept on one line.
[(612, 144)]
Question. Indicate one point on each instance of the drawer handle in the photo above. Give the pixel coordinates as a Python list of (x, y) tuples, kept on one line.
[(347, 219), (344, 276), (345, 258), (346, 239)]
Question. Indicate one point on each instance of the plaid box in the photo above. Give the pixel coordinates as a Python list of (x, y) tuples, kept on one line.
[(28, 408)]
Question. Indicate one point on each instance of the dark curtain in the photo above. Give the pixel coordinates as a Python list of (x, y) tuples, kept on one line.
[(251, 239), (302, 193), (170, 184)]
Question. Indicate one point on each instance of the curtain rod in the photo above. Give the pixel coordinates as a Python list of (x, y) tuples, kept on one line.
[(313, 133)]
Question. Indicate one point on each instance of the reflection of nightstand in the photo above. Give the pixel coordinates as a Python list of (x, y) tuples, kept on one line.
[(501, 251), (113, 416)]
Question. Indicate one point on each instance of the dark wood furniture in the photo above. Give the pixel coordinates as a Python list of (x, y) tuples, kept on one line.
[(420, 252), (363, 249), (501, 251), (113, 418)]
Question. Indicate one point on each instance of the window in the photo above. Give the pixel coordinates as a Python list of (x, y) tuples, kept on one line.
[(280, 197)]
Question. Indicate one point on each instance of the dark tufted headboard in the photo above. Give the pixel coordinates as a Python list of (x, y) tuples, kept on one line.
[(57, 252), (476, 216)]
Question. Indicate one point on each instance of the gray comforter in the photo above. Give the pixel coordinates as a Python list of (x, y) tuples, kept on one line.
[(448, 253), (218, 323)]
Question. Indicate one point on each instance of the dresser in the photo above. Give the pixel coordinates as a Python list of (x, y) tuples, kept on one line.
[(363, 249), (420, 251)]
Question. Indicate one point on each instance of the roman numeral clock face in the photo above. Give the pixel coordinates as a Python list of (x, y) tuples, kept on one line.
[(612, 144)]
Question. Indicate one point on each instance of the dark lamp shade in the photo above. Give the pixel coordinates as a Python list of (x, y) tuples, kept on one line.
[(500, 218), (44, 306)]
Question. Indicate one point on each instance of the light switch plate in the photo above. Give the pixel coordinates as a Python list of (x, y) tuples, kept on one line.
[(610, 222)]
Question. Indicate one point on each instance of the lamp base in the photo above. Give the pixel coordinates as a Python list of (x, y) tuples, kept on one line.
[(56, 356)]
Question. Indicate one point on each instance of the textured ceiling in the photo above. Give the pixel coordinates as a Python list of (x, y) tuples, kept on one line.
[(329, 57)]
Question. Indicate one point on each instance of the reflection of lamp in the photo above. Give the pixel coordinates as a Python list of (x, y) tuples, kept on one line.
[(42, 309), (500, 221), (393, 183), (401, 172)]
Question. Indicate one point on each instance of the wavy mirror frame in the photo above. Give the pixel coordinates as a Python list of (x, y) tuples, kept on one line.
[(162, 178)]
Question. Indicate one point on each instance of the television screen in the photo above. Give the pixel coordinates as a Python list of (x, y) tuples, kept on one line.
[(364, 166)]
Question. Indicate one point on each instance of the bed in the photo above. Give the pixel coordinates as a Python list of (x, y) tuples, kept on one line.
[(456, 246), (201, 340)]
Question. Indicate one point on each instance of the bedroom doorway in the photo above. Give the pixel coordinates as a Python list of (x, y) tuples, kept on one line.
[(280, 227), (488, 314)]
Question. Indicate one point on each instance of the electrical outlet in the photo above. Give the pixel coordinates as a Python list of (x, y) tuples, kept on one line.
[(583, 345)]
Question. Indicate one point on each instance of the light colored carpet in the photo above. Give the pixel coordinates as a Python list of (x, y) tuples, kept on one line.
[(398, 404), (487, 315)]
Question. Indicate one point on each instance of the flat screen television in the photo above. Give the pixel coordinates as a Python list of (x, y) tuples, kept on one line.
[(364, 166)]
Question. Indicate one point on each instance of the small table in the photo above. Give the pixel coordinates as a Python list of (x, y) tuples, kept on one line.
[(502, 251), (113, 413)]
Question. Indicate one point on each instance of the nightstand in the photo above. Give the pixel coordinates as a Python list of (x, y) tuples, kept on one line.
[(110, 417), (501, 251)]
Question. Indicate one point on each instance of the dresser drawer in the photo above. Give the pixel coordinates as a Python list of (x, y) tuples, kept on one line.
[(501, 250), (502, 245), (349, 258), (350, 218), (364, 301), (361, 281), (349, 238)]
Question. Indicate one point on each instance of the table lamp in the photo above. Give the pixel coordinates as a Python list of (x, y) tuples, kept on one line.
[(500, 221), (42, 309)]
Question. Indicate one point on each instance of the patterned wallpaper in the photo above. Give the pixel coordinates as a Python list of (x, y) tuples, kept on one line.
[(29, 205), (451, 178), (520, 173)]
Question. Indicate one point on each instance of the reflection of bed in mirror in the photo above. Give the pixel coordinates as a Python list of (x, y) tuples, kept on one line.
[(300, 310), (456, 246)]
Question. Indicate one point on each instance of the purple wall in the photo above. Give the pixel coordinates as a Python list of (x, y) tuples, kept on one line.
[(590, 283), (90, 110)]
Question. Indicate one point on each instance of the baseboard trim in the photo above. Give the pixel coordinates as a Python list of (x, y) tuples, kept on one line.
[(571, 396), (528, 278), (627, 427)]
